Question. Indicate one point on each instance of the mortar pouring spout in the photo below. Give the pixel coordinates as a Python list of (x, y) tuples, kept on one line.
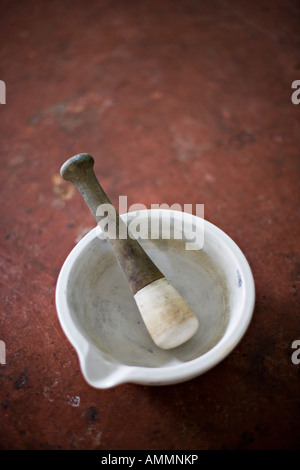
[(101, 372)]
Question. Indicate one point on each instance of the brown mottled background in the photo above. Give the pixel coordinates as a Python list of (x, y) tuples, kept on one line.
[(179, 102)]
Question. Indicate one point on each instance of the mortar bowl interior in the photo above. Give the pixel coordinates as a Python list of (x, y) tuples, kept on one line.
[(99, 316)]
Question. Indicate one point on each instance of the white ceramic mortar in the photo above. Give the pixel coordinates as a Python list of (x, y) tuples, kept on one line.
[(99, 316)]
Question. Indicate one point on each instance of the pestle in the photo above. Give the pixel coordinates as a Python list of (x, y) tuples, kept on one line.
[(166, 315)]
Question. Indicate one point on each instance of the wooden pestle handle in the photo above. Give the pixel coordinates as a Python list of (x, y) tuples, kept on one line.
[(168, 318), (138, 268)]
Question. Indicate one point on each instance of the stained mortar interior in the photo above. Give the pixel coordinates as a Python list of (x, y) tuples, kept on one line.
[(104, 309)]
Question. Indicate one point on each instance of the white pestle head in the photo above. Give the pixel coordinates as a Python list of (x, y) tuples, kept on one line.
[(168, 318)]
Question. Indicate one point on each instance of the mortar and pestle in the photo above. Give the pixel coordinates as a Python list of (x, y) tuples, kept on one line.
[(119, 304)]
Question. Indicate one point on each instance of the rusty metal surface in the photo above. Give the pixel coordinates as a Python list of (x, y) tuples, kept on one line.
[(179, 102)]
